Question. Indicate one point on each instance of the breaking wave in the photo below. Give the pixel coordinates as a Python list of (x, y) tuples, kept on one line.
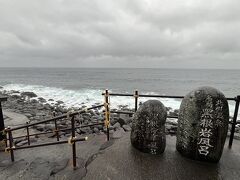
[(87, 97)]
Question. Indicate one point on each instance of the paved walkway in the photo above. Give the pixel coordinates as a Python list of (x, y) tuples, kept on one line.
[(14, 120), (121, 162), (51, 162), (115, 160)]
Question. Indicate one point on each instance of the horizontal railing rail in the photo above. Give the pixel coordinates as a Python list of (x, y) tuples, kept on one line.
[(168, 116), (47, 144), (64, 129), (156, 96), (55, 118), (136, 96)]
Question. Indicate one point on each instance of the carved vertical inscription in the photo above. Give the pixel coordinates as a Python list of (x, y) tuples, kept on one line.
[(206, 125)]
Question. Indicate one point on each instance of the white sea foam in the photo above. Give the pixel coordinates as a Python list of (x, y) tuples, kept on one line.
[(88, 97)]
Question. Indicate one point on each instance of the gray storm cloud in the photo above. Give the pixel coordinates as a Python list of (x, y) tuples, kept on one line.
[(120, 33)]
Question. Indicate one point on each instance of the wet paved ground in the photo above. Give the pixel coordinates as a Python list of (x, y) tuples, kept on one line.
[(115, 160), (52, 162), (122, 161)]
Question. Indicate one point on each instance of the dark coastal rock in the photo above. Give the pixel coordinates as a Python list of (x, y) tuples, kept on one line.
[(148, 127), (29, 94), (174, 113), (47, 106), (85, 130), (40, 127), (168, 109), (113, 120), (203, 124), (127, 127), (121, 121), (40, 114), (59, 102), (100, 127), (49, 127), (96, 130), (110, 127), (124, 118), (42, 100), (14, 92), (28, 115), (34, 101), (15, 96), (117, 125)]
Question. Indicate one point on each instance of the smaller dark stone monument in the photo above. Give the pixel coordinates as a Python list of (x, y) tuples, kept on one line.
[(148, 127), (203, 124)]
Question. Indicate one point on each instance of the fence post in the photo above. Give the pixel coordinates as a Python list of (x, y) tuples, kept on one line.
[(28, 138), (56, 128), (107, 113), (10, 143), (136, 99), (234, 121), (2, 127), (73, 143)]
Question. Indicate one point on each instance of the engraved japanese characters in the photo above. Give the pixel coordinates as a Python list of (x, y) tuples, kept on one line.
[(202, 124), (148, 128)]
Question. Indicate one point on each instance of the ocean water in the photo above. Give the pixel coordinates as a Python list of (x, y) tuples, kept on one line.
[(77, 86)]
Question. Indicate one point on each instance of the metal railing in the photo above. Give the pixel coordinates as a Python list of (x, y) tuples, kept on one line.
[(70, 115), (136, 96), (72, 140)]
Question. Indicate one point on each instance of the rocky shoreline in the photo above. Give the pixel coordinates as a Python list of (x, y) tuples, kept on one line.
[(37, 109)]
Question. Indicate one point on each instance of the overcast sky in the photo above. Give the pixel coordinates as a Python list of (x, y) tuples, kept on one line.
[(120, 33)]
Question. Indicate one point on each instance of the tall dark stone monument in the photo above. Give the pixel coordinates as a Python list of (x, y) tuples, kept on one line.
[(203, 124), (148, 127)]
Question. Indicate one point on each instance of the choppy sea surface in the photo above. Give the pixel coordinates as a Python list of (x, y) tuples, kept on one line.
[(75, 86)]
